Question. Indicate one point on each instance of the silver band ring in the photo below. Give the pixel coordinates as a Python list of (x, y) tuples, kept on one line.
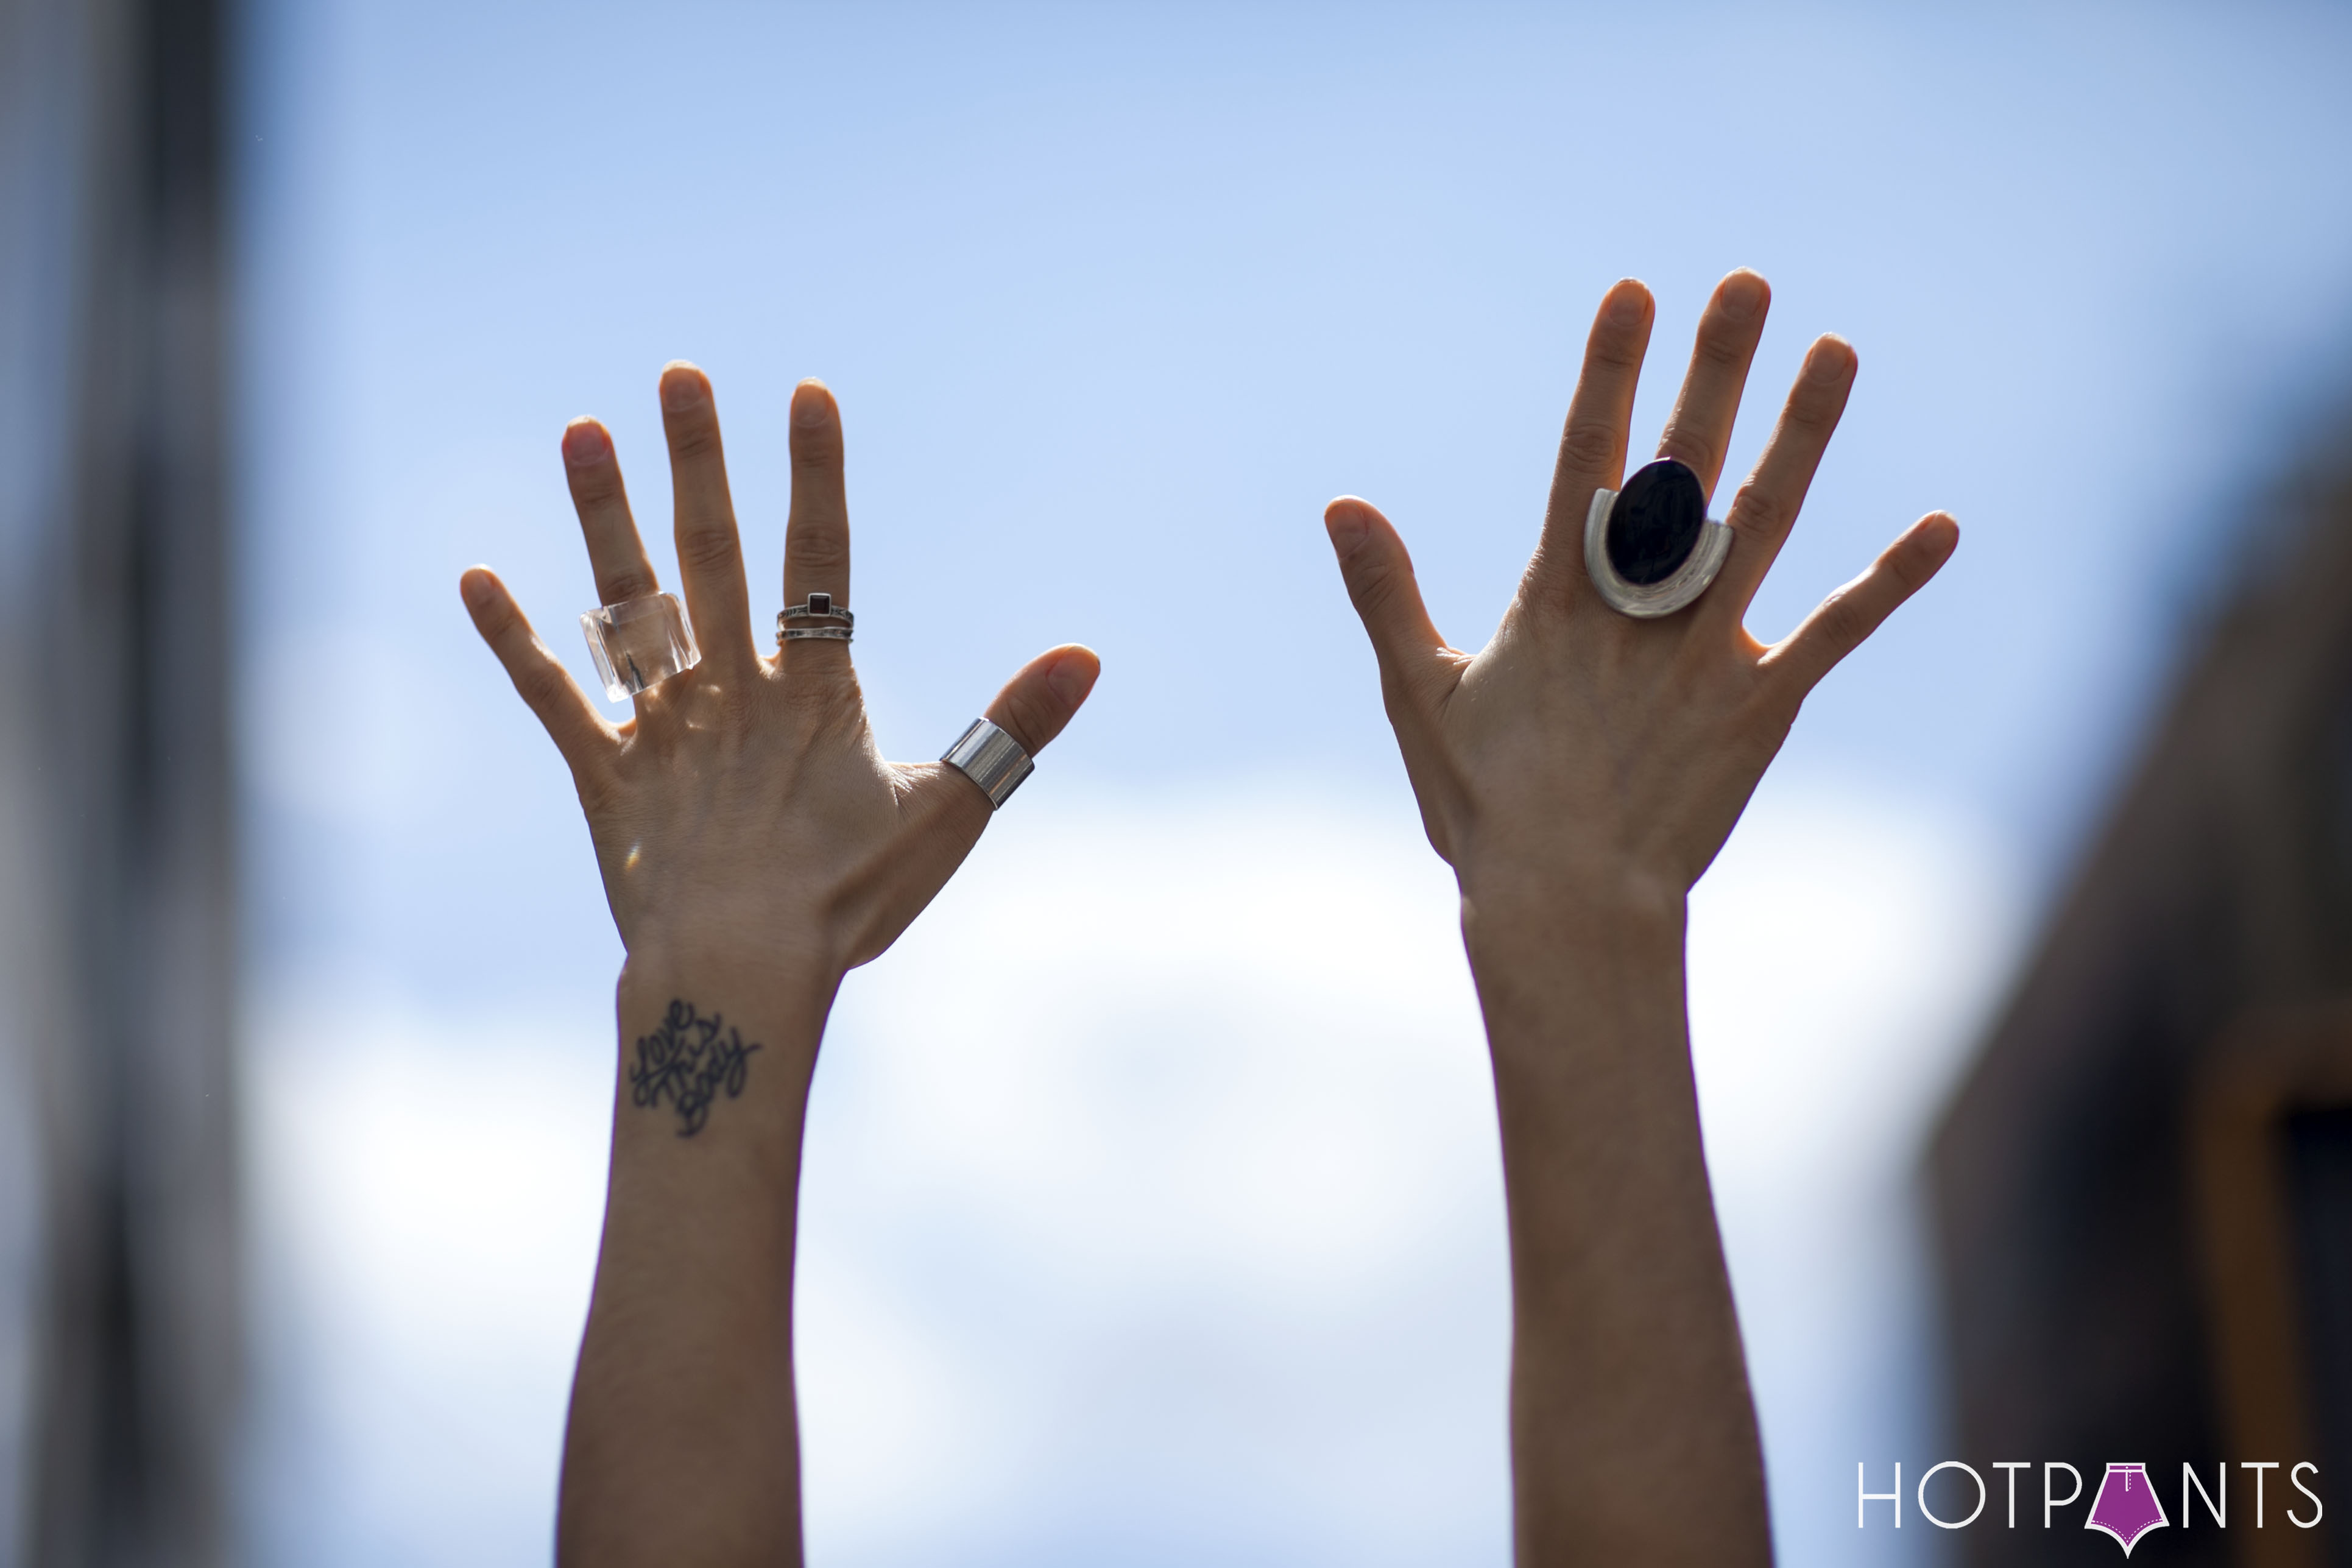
[(1651, 548), (815, 607), (991, 759)]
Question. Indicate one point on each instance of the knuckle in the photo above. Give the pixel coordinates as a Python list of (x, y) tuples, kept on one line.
[(820, 550), (1588, 444), (1374, 590), (1029, 720), (1720, 349), (541, 683), (1614, 348), (1760, 511), (1694, 450), (627, 582), (817, 449), (1814, 408), (706, 546), (1843, 620), (596, 487), (695, 438)]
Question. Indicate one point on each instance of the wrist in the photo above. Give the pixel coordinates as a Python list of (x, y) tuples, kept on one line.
[(783, 964), (1514, 898), (1571, 968), (785, 990)]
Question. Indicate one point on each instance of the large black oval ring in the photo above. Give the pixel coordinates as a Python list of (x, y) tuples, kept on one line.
[(1655, 524)]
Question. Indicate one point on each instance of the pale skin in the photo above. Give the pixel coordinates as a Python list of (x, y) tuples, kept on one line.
[(755, 846), (1579, 773)]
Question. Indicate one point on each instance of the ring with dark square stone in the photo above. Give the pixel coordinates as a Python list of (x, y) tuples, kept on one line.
[(817, 607)]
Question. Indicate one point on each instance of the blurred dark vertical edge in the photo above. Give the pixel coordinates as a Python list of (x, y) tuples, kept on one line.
[(115, 757)]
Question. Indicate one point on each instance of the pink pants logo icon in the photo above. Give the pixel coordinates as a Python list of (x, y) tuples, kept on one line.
[(2127, 1507)]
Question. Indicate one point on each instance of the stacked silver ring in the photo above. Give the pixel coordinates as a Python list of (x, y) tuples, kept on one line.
[(815, 607), (991, 759)]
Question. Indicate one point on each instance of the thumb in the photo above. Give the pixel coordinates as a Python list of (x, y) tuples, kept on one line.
[(1378, 575), (1036, 705), (1040, 700)]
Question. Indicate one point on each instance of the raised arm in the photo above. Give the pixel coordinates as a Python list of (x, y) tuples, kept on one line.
[(754, 848), (1579, 773)]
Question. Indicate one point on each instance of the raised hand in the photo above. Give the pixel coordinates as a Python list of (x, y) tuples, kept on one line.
[(1580, 772), (1586, 747), (745, 809), (755, 845)]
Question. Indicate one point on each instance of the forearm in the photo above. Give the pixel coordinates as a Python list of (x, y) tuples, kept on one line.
[(1634, 1438), (682, 1444)]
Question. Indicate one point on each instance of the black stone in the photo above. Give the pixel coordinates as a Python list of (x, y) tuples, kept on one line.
[(1655, 522), (820, 603)]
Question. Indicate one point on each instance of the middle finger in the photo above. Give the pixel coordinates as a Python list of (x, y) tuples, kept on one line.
[(1700, 430), (709, 551)]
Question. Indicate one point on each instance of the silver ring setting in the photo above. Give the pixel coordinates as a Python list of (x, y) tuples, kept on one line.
[(1650, 548), (991, 759), (815, 607)]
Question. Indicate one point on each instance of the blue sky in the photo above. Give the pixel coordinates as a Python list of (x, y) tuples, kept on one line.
[(1114, 298)]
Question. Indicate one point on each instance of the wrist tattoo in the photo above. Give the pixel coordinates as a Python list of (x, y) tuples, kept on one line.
[(686, 1062)]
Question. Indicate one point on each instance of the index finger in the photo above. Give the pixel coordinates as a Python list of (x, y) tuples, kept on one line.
[(1593, 442)]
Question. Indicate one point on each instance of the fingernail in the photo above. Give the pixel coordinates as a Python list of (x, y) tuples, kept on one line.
[(1831, 358), (808, 405), (1743, 296), (1625, 303), (585, 444), (1347, 526), (681, 387), (475, 586), (1071, 678)]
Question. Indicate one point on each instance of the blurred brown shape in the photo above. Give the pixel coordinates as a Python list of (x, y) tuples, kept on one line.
[(2280, 1078), (2145, 1208), (117, 914)]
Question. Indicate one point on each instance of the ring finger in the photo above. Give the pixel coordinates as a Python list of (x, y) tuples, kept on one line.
[(816, 534)]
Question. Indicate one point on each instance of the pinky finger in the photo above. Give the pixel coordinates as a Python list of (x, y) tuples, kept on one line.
[(543, 684), (1847, 617)]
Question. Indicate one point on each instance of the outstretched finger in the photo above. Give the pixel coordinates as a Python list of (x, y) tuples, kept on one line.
[(1035, 707), (1377, 570), (1847, 617), (1593, 442), (1699, 432), (816, 537), (1766, 506), (709, 551), (1039, 702), (546, 687), (616, 552)]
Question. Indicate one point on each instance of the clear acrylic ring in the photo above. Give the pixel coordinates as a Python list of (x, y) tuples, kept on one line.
[(639, 643)]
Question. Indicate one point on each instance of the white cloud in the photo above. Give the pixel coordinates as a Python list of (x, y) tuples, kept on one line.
[(1843, 953), (1152, 1208)]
